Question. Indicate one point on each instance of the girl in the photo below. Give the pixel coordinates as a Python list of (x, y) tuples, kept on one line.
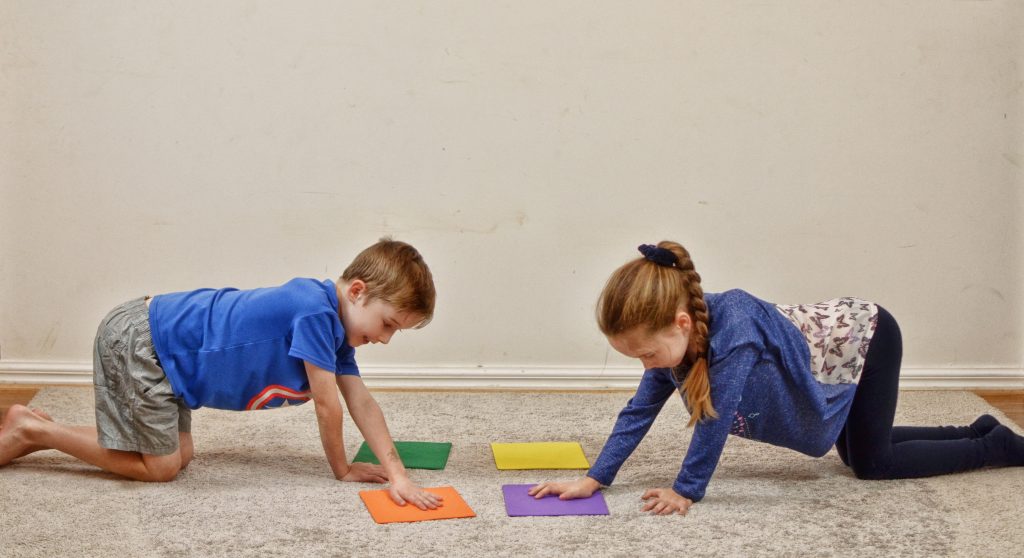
[(803, 377)]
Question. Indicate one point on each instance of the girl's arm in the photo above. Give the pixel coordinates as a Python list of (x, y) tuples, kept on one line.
[(634, 421), (728, 379)]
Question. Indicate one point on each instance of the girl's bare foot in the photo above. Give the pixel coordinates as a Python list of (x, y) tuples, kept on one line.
[(14, 434)]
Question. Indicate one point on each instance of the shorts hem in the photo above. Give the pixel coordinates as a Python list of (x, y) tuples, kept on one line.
[(121, 445)]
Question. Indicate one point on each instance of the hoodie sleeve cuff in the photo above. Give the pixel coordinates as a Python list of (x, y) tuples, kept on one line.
[(687, 492)]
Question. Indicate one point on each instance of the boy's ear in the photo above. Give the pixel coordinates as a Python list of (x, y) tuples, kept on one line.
[(355, 289)]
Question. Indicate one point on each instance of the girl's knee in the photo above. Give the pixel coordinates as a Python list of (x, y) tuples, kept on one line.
[(869, 471)]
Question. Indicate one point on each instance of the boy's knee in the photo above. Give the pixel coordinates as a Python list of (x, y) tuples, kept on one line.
[(164, 468), (163, 475), (186, 449)]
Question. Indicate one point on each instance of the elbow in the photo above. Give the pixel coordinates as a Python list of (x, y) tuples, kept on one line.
[(328, 410), (819, 450)]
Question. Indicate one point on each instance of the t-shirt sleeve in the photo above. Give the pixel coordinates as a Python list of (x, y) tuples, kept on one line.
[(634, 421), (313, 340), (728, 378), (346, 359)]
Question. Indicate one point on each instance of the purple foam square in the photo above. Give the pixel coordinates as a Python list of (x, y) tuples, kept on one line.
[(519, 503)]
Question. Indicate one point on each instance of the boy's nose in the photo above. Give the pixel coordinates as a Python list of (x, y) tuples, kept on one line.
[(384, 338)]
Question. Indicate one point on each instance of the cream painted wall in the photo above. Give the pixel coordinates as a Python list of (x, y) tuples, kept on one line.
[(801, 150)]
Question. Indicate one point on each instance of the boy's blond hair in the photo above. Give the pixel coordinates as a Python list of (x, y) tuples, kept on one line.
[(395, 273)]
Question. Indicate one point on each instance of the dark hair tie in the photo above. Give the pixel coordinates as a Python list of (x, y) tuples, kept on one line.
[(661, 256)]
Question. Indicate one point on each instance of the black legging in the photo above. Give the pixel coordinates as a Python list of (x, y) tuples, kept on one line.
[(869, 443)]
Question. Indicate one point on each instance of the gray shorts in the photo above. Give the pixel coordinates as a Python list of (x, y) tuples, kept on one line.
[(136, 409)]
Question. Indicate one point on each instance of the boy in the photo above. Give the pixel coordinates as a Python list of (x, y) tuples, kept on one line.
[(157, 358)]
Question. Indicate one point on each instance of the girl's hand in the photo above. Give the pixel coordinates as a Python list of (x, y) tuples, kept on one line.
[(665, 501), (365, 472), (404, 490), (582, 488)]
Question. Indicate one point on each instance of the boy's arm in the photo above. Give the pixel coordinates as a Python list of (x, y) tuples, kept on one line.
[(370, 421), (328, 417)]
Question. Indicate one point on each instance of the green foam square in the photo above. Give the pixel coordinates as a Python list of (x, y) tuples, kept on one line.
[(414, 455)]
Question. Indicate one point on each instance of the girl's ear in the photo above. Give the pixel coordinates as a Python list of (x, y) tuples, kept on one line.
[(684, 322), (355, 289)]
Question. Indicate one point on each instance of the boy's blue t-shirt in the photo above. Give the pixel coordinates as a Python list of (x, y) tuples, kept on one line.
[(244, 349)]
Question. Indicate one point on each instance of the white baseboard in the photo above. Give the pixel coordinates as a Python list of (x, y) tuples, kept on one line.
[(522, 377)]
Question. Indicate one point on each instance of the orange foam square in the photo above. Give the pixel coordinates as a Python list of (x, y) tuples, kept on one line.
[(384, 510)]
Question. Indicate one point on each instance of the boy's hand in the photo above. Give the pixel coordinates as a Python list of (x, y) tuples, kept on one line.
[(365, 472), (404, 490), (665, 501), (582, 488)]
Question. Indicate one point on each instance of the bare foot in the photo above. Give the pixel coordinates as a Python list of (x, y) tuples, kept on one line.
[(13, 434), (39, 413)]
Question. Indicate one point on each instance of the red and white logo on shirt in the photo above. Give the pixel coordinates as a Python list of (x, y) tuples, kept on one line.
[(274, 396)]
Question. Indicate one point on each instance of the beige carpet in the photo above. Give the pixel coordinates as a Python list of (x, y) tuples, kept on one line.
[(260, 484)]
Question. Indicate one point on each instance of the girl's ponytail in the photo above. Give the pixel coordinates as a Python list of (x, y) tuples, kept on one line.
[(696, 384)]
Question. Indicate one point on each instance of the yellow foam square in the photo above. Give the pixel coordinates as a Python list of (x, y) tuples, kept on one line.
[(539, 455)]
